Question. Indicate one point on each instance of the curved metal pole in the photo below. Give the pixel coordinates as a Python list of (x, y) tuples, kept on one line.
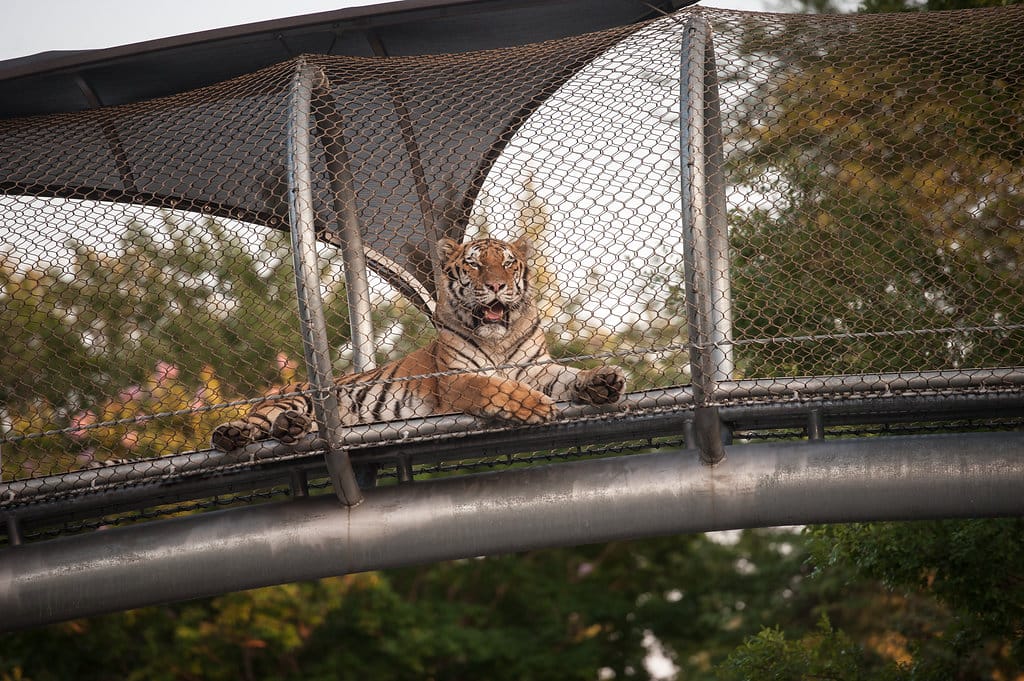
[(599, 500), (705, 233), (720, 282), (307, 283), (692, 185)]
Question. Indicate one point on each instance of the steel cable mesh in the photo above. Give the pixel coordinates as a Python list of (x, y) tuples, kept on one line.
[(873, 177), (876, 205)]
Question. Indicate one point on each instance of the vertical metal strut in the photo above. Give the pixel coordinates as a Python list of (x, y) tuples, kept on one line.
[(357, 287), (307, 282), (705, 232)]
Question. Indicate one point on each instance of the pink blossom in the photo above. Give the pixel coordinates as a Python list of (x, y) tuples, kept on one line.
[(81, 420), (285, 364), (128, 394), (165, 371), (286, 367), (202, 393), (86, 456), (130, 439)]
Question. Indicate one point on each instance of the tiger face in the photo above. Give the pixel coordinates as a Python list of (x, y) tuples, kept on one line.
[(486, 284)]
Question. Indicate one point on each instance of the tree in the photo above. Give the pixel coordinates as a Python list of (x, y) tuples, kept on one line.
[(956, 609), (894, 237)]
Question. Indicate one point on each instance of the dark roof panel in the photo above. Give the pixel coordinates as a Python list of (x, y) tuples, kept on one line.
[(54, 82)]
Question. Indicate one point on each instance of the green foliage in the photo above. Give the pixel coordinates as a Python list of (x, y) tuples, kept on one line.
[(178, 312), (878, 228), (972, 567), (185, 292), (822, 654)]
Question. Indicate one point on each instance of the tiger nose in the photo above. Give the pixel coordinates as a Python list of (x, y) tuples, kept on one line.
[(496, 286)]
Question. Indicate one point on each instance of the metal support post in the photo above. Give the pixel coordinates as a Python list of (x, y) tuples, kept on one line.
[(403, 467), (815, 425), (299, 483), (353, 253), (705, 234), (720, 281), (332, 135), (307, 284)]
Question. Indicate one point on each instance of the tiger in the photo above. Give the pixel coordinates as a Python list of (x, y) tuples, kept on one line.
[(489, 358)]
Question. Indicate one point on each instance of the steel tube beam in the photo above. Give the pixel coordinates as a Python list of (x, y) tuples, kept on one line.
[(694, 214), (583, 502), (307, 282), (706, 232)]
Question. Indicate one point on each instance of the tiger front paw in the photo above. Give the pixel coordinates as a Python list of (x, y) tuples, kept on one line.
[(603, 385), (234, 434), (522, 405), (290, 426)]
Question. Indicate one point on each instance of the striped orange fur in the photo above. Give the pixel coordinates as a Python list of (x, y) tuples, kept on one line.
[(490, 359)]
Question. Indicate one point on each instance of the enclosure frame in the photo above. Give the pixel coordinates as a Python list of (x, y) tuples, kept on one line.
[(706, 480)]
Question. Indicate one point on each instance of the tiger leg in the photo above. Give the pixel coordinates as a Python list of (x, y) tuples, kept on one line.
[(493, 397)]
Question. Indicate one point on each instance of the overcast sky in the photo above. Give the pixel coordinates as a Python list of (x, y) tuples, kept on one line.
[(32, 26)]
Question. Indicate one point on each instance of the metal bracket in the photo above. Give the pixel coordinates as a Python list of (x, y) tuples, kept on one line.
[(13, 531), (709, 432), (815, 425)]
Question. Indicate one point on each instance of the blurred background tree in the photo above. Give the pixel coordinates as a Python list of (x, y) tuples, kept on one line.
[(178, 313), (878, 203), (898, 207)]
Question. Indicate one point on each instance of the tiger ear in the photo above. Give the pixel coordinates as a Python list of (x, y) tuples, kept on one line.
[(524, 245), (446, 248)]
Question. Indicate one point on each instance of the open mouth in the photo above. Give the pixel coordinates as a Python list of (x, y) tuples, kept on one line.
[(492, 313)]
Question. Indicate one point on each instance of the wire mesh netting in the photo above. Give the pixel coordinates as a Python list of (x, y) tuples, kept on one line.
[(873, 202)]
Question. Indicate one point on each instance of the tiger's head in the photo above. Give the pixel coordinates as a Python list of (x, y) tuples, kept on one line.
[(486, 285)]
